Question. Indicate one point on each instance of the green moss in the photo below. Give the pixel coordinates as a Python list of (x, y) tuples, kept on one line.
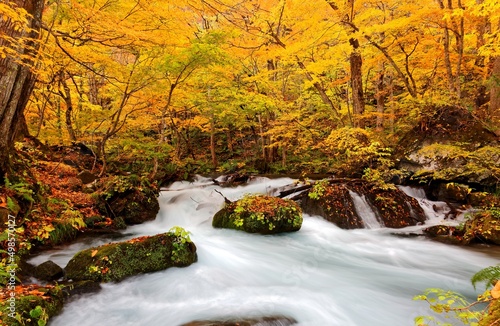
[(458, 162), (116, 261), (260, 214), (33, 309)]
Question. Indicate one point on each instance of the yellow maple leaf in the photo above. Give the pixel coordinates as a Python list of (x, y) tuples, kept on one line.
[(94, 252)]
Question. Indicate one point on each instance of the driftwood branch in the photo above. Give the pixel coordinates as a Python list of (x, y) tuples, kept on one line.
[(227, 201)]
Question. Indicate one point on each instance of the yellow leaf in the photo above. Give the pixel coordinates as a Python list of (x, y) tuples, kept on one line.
[(94, 252)]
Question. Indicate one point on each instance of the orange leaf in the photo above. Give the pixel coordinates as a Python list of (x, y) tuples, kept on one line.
[(495, 292), (94, 252)]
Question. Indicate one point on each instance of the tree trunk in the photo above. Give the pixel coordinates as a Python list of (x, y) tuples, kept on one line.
[(66, 95), (380, 97), (16, 79), (495, 91), (358, 101), (212, 142), (21, 129)]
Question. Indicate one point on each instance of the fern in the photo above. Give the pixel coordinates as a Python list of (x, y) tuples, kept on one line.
[(489, 275)]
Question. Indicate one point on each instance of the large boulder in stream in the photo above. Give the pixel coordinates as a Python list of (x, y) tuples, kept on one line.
[(116, 261), (348, 202), (262, 321), (260, 214), (127, 200)]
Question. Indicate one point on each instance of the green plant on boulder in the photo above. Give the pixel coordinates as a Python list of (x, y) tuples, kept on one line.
[(116, 261), (318, 189), (260, 214), (182, 239)]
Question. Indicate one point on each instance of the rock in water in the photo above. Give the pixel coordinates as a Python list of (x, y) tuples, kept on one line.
[(48, 271), (260, 214), (116, 261), (263, 321)]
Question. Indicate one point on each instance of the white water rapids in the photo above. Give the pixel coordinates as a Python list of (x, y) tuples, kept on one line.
[(320, 275)]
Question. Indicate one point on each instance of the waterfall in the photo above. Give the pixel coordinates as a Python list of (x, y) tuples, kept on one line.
[(436, 211), (365, 212)]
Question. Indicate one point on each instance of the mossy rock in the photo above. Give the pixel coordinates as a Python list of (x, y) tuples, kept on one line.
[(130, 199), (260, 214), (445, 234), (116, 261), (484, 226), (30, 309), (334, 202)]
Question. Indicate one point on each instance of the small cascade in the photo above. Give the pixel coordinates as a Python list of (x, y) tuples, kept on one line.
[(365, 212), (436, 211)]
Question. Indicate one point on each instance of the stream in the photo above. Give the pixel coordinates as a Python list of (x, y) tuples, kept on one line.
[(320, 275)]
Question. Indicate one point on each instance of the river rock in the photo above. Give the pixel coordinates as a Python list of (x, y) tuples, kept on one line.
[(71, 289), (483, 227), (445, 234), (127, 199), (48, 271), (116, 261), (260, 214), (263, 321), (334, 202)]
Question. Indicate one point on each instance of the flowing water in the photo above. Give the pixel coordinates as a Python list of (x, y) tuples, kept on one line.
[(320, 275), (364, 211)]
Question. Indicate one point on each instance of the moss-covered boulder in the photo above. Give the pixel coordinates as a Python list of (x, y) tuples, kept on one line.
[(33, 305), (483, 226), (260, 214), (116, 261), (128, 200), (334, 203)]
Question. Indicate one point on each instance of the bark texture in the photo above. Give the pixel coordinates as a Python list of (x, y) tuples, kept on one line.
[(16, 74)]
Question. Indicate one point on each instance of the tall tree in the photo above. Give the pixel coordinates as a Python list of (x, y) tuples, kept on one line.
[(18, 49)]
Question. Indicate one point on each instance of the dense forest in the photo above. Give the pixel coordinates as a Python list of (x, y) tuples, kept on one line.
[(102, 102), (220, 85)]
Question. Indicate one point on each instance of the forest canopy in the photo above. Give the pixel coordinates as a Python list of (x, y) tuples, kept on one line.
[(212, 80)]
